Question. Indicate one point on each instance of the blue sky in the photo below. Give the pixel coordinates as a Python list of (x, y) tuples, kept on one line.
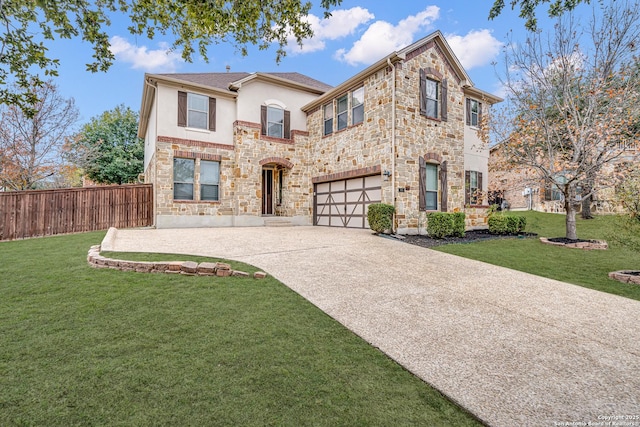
[(358, 34)]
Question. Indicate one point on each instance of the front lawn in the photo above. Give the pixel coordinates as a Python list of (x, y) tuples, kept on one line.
[(580, 267), (83, 346)]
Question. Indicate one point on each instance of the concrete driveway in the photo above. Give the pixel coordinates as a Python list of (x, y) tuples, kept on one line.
[(512, 348)]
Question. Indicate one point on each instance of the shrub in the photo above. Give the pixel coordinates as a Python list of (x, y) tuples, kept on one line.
[(444, 224), (380, 217), (506, 224)]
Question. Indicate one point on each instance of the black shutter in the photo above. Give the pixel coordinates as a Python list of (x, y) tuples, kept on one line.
[(263, 119), (443, 102), (423, 92), (182, 109), (423, 185), (444, 192), (480, 192), (467, 116), (287, 124), (467, 187), (212, 114), (479, 114)]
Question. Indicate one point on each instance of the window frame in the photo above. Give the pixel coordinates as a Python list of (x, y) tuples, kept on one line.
[(358, 107), (190, 96), (327, 120), (192, 183), (270, 109), (344, 113), (435, 101), (215, 182), (471, 190), (473, 102), (427, 190)]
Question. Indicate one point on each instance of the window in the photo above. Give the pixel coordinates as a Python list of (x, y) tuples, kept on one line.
[(473, 113), (357, 106), (431, 187), (328, 119), (275, 122), (183, 172), (196, 111), (432, 98), (209, 180), (343, 109), (473, 188), (433, 94)]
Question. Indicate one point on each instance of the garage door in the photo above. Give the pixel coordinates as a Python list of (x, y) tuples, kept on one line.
[(344, 203)]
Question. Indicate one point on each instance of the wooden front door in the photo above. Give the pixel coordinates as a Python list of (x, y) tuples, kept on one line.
[(267, 192)]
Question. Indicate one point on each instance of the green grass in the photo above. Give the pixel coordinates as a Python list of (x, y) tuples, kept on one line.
[(580, 267), (82, 346)]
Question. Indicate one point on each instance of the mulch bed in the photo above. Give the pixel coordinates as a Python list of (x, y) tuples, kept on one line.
[(469, 237)]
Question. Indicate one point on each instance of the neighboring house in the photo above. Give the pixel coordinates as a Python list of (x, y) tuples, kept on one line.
[(523, 189), (226, 149)]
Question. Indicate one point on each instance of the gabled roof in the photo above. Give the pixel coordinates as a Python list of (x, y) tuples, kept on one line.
[(232, 81), (225, 84), (436, 38)]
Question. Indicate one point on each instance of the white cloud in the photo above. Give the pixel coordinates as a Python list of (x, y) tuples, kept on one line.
[(476, 49), (342, 23), (140, 58), (381, 37)]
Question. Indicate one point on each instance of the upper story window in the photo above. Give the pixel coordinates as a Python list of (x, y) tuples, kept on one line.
[(343, 111), (328, 118), (275, 122), (474, 112), (357, 106), (196, 111), (433, 95)]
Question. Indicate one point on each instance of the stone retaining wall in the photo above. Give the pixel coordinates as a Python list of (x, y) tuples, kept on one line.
[(189, 268)]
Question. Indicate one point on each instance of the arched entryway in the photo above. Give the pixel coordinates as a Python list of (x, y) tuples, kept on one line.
[(273, 184)]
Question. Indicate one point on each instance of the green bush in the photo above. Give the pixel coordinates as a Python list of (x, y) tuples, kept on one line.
[(444, 224), (380, 217), (506, 224)]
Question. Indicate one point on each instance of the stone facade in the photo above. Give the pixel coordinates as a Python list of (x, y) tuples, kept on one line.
[(377, 145)]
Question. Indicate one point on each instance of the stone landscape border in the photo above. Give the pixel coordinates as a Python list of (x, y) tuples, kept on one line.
[(588, 245), (626, 276), (189, 268)]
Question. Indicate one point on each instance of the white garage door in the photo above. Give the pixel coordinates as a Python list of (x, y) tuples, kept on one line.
[(344, 203)]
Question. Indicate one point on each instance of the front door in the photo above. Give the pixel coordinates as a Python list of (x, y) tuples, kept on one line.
[(267, 192)]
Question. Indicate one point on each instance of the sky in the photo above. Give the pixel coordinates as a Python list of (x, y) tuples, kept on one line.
[(358, 34)]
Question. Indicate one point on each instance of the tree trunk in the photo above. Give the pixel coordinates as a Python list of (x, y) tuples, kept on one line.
[(570, 209), (586, 208)]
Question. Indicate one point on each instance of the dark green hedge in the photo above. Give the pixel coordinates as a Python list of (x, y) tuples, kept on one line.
[(445, 224), (506, 224), (380, 217)]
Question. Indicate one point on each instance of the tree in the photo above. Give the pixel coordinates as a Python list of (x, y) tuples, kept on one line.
[(108, 148), (30, 146), (528, 9), (574, 102), (191, 22)]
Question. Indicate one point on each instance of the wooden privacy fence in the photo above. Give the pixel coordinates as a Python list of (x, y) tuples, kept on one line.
[(47, 212)]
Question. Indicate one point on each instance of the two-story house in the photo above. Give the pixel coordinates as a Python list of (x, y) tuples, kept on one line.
[(225, 149)]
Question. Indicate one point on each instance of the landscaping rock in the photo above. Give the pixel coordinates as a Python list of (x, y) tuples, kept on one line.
[(259, 275)]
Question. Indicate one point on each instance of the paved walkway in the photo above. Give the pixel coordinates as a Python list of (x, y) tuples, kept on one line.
[(512, 348)]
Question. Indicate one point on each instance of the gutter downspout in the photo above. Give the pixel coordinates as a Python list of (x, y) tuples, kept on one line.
[(154, 88), (393, 138)]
